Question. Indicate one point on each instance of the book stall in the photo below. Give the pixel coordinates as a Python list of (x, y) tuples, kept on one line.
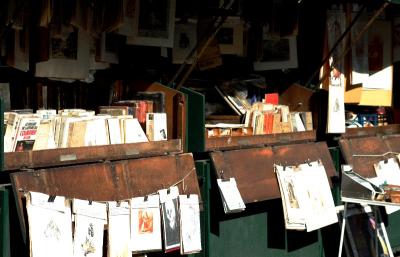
[(224, 128)]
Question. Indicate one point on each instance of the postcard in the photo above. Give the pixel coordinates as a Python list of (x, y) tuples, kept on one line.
[(170, 218), (190, 224), (119, 229)]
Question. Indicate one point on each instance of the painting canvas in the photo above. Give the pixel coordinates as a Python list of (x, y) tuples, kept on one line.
[(277, 53), (154, 23)]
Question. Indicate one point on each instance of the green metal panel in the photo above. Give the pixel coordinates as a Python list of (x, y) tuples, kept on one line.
[(393, 230), (5, 223), (195, 120)]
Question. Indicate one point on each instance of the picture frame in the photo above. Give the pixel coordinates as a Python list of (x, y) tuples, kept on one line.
[(154, 23), (230, 36), (277, 53)]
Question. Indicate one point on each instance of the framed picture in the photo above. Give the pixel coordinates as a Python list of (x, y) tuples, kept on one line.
[(277, 53), (154, 23), (185, 40), (230, 36)]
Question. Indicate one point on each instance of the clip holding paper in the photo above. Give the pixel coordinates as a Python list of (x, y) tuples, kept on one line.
[(146, 197), (90, 202), (168, 191), (118, 203), (222, 177), (308, 162), (51, 198)]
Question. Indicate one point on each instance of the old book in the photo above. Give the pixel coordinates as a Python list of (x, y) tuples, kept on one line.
[(77, 134), (50, 226), (114, 131), (156, 126), (11, 121), (190, 224), (45, 136), (46, 114), (26, 133), (119, 229), (157, 97), (114, 110), (146, 224), (170, 218), (230, 196), (133, 132)]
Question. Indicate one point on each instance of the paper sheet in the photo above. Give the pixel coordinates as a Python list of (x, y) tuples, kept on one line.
[(145, 224), (50, 229), (170, 218), (231, 198), (88, 236), (119, 230), (190, 224)]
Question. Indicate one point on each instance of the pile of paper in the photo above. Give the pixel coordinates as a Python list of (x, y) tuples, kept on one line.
[(231, 198)]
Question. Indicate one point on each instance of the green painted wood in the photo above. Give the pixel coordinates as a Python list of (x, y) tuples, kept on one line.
[(195, 120), (393, 230), (5, 223), (203, 171)]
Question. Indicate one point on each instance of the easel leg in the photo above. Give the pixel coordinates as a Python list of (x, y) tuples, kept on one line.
[(342, 230)]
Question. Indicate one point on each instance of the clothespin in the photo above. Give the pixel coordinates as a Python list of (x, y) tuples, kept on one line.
[(51, 198), (222, 176), (90, 202), (308, 162), (146, 197), (168, 191), (118, 203)]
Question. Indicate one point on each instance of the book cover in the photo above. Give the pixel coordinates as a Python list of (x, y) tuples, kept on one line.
[(26, 134), (156, 126)]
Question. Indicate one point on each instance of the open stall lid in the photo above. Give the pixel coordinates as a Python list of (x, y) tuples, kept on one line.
[(108, 181), (363, 152), (253, 168)]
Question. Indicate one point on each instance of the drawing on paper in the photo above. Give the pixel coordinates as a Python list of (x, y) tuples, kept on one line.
[(145, 218), (88, 245)]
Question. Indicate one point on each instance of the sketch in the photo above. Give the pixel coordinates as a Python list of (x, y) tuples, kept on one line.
[(88, 236), (190, 224), (171, 223), (145, 218), (52, 231), (65, 47)]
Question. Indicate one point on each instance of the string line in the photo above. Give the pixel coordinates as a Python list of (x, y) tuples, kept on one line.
[(374, 155)]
